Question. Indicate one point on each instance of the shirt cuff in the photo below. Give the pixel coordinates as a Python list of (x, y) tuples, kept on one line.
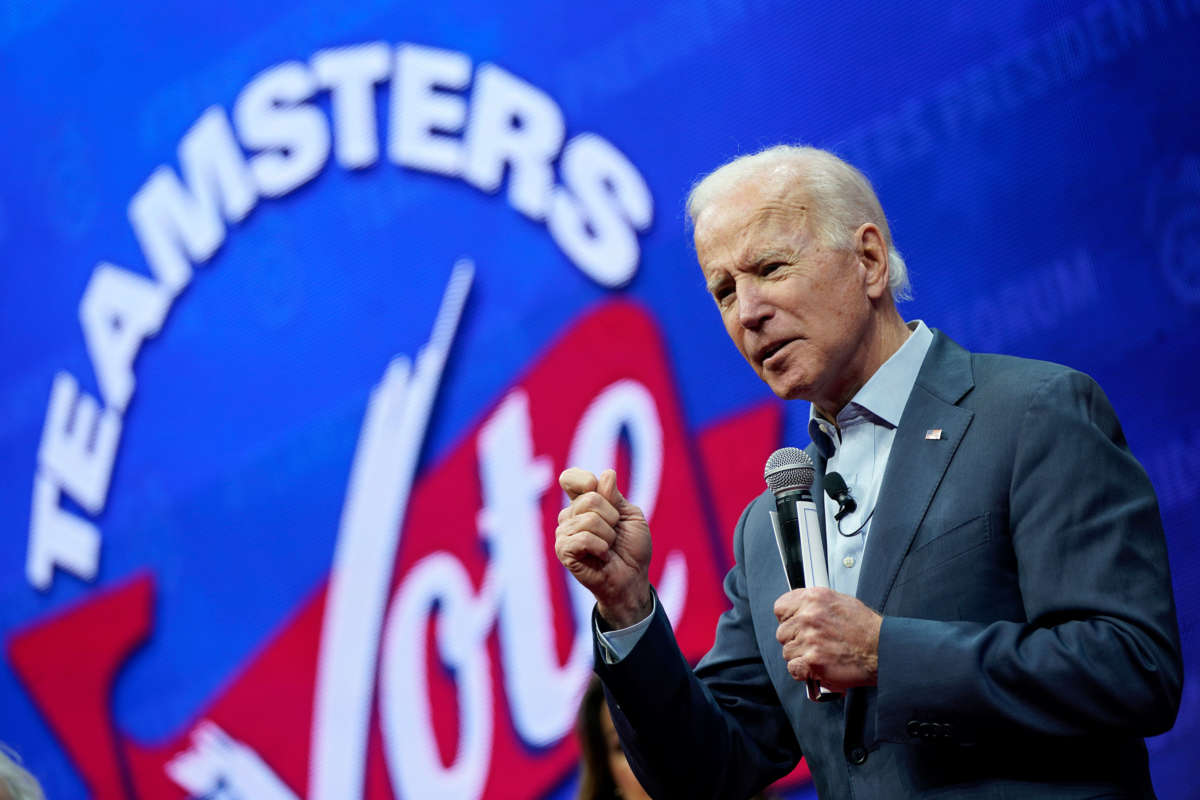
[(615, 645)]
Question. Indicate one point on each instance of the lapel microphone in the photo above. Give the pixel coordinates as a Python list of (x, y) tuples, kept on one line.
[(835, 487)]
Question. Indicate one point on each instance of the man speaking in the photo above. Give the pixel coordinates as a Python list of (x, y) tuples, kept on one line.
[(1000, 620)]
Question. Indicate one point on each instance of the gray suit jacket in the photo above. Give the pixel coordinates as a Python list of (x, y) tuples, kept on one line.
[(1029, 639)]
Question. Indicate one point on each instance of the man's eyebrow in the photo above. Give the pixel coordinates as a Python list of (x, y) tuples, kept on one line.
[(766, 256), (715, 281), (761, 258)]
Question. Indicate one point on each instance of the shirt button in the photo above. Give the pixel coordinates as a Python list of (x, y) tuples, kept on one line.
[(848, 562), (858, 755)]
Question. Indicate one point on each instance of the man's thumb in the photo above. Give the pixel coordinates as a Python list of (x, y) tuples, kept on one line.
[(608, 488)]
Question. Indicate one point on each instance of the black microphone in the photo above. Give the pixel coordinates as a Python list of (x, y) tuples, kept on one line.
[(835, 487), (789, 475)]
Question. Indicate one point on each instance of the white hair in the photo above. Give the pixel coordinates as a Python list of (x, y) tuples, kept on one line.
[(841, 198), (15, 781)]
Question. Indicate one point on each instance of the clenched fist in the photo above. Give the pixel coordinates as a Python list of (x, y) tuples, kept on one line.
[(604, 541)]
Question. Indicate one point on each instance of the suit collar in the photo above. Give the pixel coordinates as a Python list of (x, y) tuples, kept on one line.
[(946, 372)]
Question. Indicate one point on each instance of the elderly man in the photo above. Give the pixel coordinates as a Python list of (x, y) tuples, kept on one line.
[(1000, 620)]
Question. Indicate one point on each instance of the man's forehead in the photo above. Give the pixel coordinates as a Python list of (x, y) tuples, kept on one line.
[(736, 218)]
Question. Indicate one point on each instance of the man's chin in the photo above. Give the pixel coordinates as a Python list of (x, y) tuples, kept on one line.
[(785, 383), (789, 390)]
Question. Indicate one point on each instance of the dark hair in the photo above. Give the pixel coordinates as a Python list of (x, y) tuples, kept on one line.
[(595, 778)]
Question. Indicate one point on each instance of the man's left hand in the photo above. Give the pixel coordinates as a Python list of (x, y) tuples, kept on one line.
[(828, 636)]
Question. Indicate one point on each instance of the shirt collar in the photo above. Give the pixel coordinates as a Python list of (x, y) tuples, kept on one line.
[(882, 398)]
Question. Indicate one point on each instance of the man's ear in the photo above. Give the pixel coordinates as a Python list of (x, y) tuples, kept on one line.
[(872, 254)]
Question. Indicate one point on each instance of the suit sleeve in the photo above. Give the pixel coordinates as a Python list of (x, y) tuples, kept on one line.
[(716, 732), (1098, 652)]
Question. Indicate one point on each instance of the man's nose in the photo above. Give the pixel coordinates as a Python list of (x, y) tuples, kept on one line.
[(753, 308)]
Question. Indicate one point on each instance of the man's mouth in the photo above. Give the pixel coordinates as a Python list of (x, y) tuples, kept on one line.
[(771, 349)]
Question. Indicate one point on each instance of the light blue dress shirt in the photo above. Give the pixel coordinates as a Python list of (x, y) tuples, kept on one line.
[(857, 448)]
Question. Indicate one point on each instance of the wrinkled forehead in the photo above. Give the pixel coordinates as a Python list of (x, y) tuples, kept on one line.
[(754, 213)]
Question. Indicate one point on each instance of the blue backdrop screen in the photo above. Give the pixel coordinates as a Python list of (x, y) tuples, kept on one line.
[(304, 306)]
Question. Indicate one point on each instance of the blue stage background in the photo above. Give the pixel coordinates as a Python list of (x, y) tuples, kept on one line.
[(1039, 162)]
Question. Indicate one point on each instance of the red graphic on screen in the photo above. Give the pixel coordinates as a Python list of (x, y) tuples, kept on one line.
[(610, 362)]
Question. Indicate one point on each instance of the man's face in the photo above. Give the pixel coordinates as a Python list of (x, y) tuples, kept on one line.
[(798, 311)]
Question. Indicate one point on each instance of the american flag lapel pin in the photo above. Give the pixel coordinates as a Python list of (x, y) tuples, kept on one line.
[(933, 433)]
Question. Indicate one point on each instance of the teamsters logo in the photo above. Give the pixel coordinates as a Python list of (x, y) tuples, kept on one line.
[(442, 668), (593, 211)]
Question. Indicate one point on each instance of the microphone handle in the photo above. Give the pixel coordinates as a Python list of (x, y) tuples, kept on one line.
[(789, 526), (793, 562)]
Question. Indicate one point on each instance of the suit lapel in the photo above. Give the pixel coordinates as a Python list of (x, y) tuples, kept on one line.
[(916, 464)]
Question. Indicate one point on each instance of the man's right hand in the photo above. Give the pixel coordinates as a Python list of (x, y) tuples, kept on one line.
[(604, 541)]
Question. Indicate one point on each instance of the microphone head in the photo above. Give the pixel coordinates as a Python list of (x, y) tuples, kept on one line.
[(788, 469)]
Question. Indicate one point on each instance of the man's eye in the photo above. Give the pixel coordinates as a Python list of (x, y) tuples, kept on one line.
[(769, 268), (723, 295)]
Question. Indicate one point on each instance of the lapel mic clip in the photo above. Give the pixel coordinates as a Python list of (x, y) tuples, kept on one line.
[(835, 487)]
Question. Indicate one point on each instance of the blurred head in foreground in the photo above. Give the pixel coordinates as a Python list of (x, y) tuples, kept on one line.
[(15, 782), (604, 772)]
